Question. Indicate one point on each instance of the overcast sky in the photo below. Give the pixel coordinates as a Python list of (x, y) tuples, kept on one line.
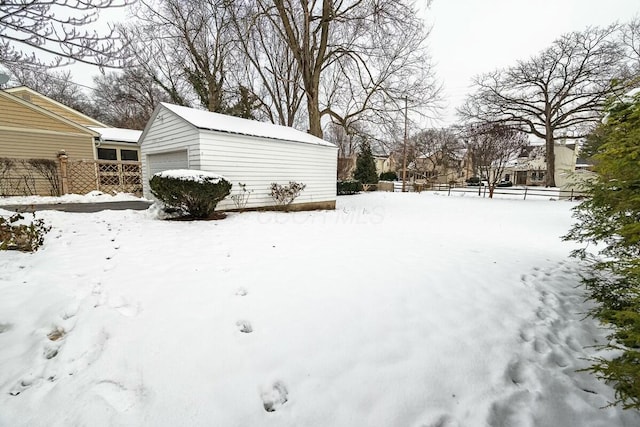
[(470, 37)]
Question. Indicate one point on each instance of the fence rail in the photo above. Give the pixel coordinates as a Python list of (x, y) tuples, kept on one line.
[(524, 192)]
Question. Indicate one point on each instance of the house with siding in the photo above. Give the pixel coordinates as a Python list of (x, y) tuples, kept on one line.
[(28, 130), (530, 168), (35, 130), (53, 106), (31, 138), (244, 151)]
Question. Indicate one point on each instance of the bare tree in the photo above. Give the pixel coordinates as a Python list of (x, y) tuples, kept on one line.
[(630, 37), (366, 48), (60, 28), (437, 153), (126, 99), (154, 55), (556, 94), (187, 47), (491, 147), (271, 70)]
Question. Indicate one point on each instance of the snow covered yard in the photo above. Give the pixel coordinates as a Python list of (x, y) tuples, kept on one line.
[(392, 310)]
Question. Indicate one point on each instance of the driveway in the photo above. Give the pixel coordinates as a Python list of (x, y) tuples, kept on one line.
[(138, 205)]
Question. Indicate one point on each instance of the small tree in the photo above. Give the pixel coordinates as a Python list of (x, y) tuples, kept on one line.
[(491, 147), (366, 165), (610, 218)]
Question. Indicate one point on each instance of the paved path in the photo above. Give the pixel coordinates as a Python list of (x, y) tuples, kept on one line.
[(138, 205)]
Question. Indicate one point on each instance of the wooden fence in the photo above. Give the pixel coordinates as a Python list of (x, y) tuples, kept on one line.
[(516, 192)]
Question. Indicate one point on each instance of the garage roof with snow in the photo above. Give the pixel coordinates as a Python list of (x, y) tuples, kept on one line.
[(222, 123)]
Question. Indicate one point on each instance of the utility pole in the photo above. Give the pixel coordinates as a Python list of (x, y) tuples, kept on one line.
[(404, 148)]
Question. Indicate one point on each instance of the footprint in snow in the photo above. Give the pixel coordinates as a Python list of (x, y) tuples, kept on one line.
[(4, 327), (516, 372), (23, 385), (116, 395), (274, 397), (241, 292), (244, 326), (443, 421)]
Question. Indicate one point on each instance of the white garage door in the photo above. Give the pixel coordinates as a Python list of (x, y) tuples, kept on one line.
[(164, 161)]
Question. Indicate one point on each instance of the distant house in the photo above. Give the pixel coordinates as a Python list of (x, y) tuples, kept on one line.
[(385, 163), (37, 133), (441, 168), (530, 168), (244, 151)]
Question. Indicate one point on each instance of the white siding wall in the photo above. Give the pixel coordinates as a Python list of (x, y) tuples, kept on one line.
[(258, 162), (167, 133)]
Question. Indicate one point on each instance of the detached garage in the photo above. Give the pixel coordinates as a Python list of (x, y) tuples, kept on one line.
[(244, 151)]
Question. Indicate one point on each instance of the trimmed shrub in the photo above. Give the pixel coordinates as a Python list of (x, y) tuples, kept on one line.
[(25, 237), (284, 195), (349, 187), (190, 193), (388, 176)]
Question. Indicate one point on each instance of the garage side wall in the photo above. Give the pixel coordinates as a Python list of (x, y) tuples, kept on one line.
[(170, 143), (257, 162)]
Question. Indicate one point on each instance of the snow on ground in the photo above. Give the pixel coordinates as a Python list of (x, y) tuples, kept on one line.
[(92, 197), (393, 310)]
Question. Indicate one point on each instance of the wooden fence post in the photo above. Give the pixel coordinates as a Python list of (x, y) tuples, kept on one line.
[(63, 159), (525, 193)]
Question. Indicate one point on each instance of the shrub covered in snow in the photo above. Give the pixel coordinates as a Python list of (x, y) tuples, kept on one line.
[(16, 234), (191, 193), (284, 195)]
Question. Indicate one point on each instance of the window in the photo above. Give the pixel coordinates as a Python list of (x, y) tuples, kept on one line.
[(107, 154), (129, 155), (507, 177), (537, 176)]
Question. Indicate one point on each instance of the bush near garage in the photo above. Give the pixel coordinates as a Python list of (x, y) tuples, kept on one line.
[(190, 193)]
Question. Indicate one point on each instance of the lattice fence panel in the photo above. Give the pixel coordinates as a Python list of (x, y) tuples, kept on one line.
[(82, 176), (106, 176)]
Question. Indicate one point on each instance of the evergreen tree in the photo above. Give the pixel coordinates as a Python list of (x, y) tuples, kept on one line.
[(611, 219), (366, 165)]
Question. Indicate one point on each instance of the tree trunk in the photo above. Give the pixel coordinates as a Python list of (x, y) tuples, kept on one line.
[(550, 180), (315, 126)]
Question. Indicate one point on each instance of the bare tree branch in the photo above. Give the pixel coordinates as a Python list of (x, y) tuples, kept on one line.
[(60, 28)]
